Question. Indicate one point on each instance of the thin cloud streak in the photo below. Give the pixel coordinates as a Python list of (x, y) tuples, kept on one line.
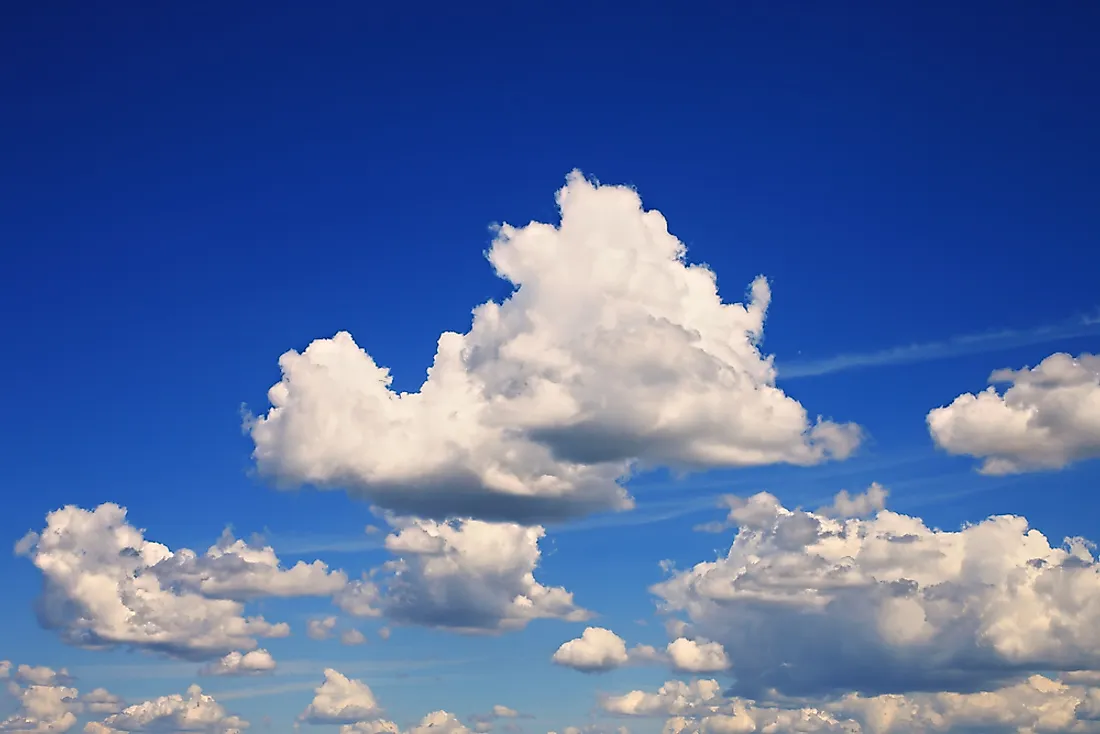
[(958, 346)]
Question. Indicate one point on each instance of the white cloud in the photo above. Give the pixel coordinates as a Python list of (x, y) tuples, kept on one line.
[(352, 636), (868, 502), (236, 663), (486, 722), (42, 709), (611, 351), (341, 700), (1047, 418), (101, 701), (439, 722), (674, 698), (384, 633), (320, 629), (692, 656), (5, 669), (805, 603), (40, 675), (464, 575), (234, 569), (599, 650), (193, 712), (596, 650), (1037, 704), (103, 587), (378, 726)]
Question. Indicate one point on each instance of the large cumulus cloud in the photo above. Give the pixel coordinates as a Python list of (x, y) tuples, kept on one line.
[(1047, 418), (105, 584), (611, 352), (809, 603)]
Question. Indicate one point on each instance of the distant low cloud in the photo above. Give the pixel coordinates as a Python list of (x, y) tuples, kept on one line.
[(1035, 704), (612, 352), (1047, 418), (253, 662), (320, 629), (194, 711), (352, 637)]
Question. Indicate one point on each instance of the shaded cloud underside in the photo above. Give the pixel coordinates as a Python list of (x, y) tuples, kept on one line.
[(612, 353)]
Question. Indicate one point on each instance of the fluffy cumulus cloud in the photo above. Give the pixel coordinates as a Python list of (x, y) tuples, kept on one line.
[(194, 711), (234, 569), (599, 650), (612, 352), (1036, 704), (464, 575), (439, 722), (352, 636), (253, 662), (40, 675), (42, 709), (105, 584), (806, 603), (341, 700), (351, 703), (1047, 417), (596, 650), (320, 629), (377, 726)]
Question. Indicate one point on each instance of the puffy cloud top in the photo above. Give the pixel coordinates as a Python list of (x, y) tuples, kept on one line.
[(468, 575), (341, 700), (236, 663), (612, 350), (42, 709), (1047, 418), (598, 650), (105, 584), (194, 712), (806, 603)]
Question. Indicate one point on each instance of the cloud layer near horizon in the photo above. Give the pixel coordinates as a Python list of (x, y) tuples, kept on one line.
[(612, 353)]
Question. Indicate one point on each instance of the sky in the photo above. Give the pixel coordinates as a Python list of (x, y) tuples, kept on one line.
[(762, 393)]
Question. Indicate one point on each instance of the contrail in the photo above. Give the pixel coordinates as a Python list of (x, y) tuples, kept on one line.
[(992, 341)]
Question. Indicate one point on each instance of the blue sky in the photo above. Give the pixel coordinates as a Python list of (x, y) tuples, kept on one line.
[(190, 192)]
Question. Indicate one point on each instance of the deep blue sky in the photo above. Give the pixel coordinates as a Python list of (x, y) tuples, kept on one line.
[(187, 190)]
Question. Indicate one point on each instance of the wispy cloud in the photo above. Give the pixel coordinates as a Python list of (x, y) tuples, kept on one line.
[(648, 514), (991, 341), (301, 545)]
